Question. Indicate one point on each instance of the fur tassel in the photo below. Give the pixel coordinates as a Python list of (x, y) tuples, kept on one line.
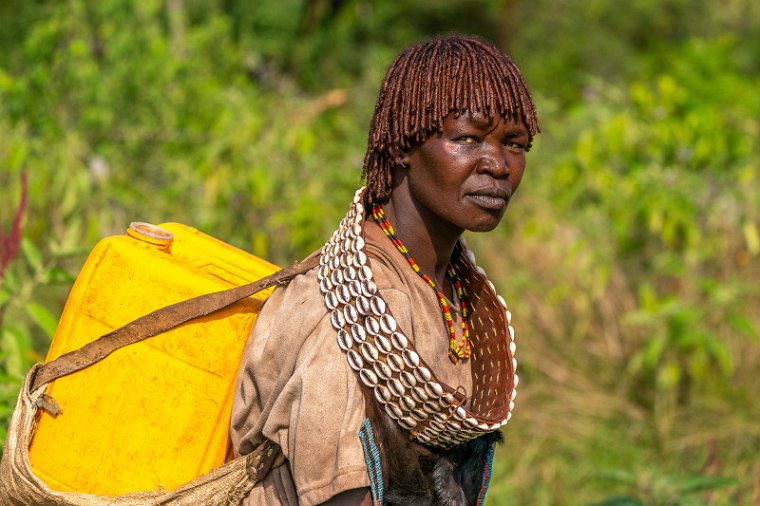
[(418, 475)]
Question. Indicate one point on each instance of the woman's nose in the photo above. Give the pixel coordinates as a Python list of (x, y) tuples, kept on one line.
[(495, 161)]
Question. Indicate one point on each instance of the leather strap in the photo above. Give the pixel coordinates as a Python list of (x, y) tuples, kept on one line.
[(162, 320), (265, 457)]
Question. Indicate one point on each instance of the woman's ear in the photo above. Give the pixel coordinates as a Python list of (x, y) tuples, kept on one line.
[(404, 160), (399, 156)]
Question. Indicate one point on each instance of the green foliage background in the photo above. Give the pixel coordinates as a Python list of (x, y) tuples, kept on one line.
[(630, 257)]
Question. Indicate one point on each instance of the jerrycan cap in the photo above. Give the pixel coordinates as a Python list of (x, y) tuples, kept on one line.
[(151, 234)]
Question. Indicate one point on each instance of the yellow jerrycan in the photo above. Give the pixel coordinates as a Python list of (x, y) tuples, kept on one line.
[(155, 414)]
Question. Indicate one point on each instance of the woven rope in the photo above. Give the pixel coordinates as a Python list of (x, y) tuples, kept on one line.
[(226, 485)]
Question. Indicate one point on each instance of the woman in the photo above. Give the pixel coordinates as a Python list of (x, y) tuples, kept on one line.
[(385, 374)]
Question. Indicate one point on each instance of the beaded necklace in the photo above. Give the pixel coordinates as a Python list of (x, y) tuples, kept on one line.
[(457, 350)]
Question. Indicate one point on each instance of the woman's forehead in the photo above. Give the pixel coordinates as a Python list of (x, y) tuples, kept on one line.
[(482, 119)]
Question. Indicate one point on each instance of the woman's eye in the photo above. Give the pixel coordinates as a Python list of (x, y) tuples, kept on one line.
[(516, 147), (467, 139)]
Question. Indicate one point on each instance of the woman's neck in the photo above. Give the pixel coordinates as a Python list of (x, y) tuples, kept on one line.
[(429, 242)]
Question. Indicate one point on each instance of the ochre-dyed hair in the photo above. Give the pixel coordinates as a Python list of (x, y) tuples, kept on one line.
[(426, 83)]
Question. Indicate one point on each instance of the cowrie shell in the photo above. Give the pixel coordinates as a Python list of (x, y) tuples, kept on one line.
[(396, 387), (394, 410), (419, 415), (423, 438), (372, 326), (407, 422), (446, 400), (349, 273), (382, 394), (337, 319), (369, 352), (369, 378), (325, 285), (358, 333), (344, 340), (336, 277), (411, 358), (407, 379), (354, 288), (423, 374), (446, 440), (382, 370), (344, 296), (378, 305), (387, 323), (354, 360), (331, 301), (383, 344), (365, 273), (433, 389), (399, 341), (431, 407), (408, 402), (362, 304), (419, 394), (395, 362), (350, 313)]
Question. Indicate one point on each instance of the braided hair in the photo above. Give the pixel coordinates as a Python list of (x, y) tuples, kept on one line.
[(427, 82)]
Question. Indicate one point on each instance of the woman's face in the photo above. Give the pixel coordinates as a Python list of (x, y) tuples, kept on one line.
[(465, 175)]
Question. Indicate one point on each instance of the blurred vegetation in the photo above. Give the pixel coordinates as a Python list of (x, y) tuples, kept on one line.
[(630, 257)]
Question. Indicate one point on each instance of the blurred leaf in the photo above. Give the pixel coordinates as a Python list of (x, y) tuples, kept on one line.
[(32, 255), (702, 483), (43, 318), (11, 282), (752, 237), (623, 500), (15, 343), (60, 275)]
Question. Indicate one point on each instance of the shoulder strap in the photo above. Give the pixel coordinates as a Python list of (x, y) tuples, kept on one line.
[(162, 320)]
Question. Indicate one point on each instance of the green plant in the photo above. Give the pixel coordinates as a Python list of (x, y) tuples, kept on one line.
[(653, 488)]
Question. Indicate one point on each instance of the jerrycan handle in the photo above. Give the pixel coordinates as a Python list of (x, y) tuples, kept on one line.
[(162, 320)]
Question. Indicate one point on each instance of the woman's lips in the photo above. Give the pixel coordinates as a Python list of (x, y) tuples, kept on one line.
[(490, 198)]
